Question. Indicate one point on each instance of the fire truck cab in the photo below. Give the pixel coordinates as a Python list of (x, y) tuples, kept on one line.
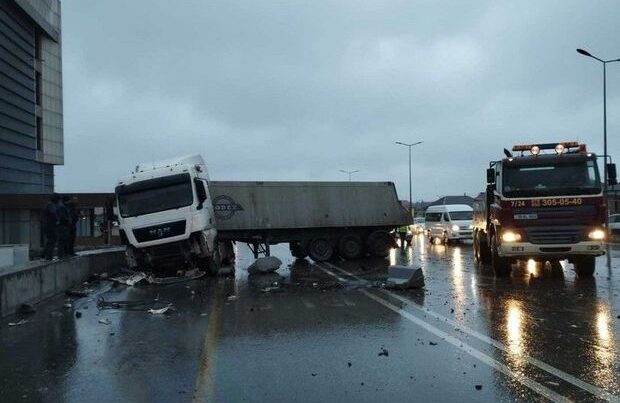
[(541, 205)]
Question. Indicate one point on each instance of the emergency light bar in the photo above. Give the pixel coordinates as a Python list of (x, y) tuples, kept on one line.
[(559, 148)]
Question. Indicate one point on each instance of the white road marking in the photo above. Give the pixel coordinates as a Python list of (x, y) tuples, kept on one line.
[(594, 390), (524, 380)]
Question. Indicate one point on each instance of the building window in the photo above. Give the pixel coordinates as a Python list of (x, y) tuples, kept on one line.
[(39, 134)]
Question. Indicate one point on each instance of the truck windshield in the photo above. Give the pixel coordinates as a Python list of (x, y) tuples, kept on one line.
[(155, 195), (461, 215), (564, 178)]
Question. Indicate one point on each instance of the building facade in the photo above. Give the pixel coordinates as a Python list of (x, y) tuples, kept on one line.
[(31, 120), (31, 112)]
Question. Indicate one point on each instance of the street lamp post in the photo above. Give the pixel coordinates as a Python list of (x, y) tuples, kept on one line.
[(605, 189), (349, 172), (409, 146)]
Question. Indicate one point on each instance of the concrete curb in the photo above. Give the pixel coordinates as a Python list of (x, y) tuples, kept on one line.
[(40, 280)]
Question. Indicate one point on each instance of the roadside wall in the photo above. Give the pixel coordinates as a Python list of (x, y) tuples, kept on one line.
[(41, 280)]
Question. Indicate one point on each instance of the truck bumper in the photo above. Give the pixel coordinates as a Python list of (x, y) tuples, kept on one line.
[(527, 249)]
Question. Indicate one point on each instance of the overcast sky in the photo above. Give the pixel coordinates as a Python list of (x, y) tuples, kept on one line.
[(298, 90)]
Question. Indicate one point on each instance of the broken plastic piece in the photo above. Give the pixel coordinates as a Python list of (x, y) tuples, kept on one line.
[(19, 323), (160, 311), (403, 277), (105, 321)]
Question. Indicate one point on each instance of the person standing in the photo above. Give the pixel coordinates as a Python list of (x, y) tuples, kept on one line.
[(64, 223), (50, 222), (70, 204)]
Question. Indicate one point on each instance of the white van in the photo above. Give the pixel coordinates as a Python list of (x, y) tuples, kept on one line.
[(449, 222)]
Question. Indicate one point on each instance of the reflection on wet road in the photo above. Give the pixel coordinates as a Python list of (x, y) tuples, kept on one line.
[(330, 332)]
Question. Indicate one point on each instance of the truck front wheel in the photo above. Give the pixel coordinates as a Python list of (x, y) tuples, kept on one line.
[(320, 250), (501, 265), (584, 266)]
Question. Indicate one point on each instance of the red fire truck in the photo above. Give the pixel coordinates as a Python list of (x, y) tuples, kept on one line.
[(546, 204)]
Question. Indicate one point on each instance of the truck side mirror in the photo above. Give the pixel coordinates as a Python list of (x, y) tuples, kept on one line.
[(490, 176), (201, 192), (611, 174)]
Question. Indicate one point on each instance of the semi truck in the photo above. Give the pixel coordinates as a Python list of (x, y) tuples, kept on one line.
[(170, 213), (545, 203)]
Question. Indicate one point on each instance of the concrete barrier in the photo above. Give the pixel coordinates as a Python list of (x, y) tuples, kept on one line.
[(39, 280)]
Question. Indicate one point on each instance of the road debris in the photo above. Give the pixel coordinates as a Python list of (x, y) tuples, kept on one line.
[(232, 298), (78, 314), (68, 305), (140, 278), (131, 280), (18, 323), (403, 277), (105, 321), (160, 311), (139, 305), (82, 290), (432, 343), (267, 264), (383, 352), (478, 387)]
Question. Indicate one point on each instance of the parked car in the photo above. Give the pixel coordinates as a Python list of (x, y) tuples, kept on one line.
[(449, 222)]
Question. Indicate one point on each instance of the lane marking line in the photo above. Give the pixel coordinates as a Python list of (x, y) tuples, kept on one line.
[(592, 389), (522, 379)]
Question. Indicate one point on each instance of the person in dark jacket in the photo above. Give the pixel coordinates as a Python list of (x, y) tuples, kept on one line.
[(70, 204), (50, 222), (64, 224)]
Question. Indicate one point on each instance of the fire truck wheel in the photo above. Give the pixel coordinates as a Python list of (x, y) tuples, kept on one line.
[(584, 266), (214, 262), (501, 265), (483, 247), (320, 249)]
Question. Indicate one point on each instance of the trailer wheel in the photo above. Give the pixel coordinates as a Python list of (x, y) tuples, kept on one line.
[(501, 265), (214, 261), (379, 243), (584, 266), (320, 250), (350, 246), (297, 250)]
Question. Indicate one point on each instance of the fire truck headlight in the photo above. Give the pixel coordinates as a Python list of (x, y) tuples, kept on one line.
[(597, 234), (535, 150), (455, 228), (511, 236)]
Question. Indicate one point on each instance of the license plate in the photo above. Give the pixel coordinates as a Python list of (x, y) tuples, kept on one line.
[(526, 216)]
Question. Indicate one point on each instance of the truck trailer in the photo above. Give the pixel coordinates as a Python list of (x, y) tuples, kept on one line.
[(170, 213), (541, 205)]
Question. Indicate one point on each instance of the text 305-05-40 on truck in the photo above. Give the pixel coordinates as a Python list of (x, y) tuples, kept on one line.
[(543, 205)]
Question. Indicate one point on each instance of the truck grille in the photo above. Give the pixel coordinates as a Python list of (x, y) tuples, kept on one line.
[(549, 235), (160, 231)]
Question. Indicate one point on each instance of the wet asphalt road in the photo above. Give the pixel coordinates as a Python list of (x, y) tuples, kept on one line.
[(325, 333)]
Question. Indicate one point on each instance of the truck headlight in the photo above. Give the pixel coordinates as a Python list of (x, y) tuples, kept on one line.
[(455, 228), (511, 236), (597, 234)]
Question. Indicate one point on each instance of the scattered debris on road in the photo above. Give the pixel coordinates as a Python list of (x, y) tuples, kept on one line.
[(18, 323), (267, 264), (105, 321), (432, 343), (68, 305), (403, 277), (78, 314), (160, 311), (232, 298), (139, 305), (478, 387), (383, 352), (82, 290), (140, 278)]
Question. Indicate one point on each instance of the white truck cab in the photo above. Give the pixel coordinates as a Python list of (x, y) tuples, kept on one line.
[(449, 222), (165, 214)]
